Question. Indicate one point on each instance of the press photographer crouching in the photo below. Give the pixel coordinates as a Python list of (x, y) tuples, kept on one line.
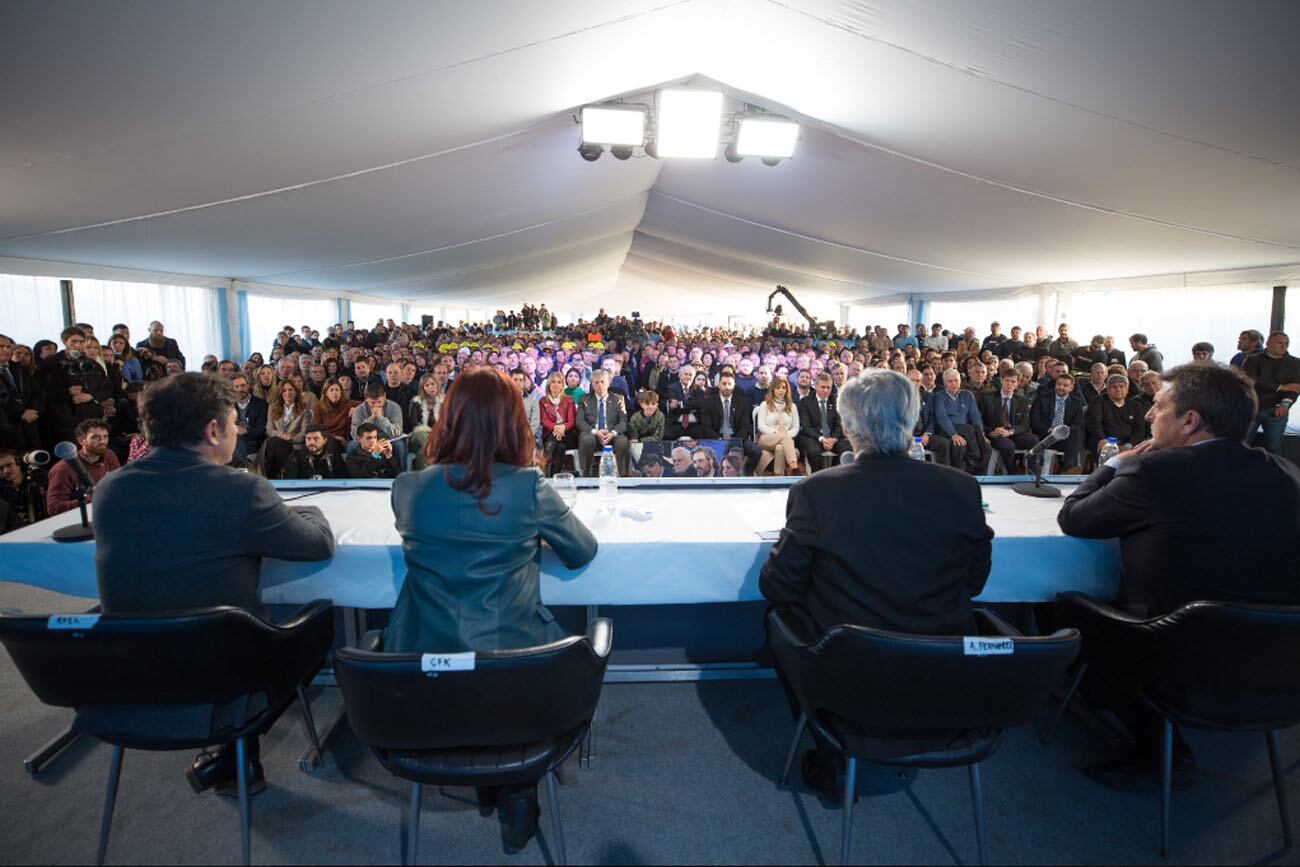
[(23, 480), (208, 527)]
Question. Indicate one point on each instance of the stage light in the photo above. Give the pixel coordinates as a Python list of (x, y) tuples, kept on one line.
[(621, 152), (609, 125), (652, 150), (590, 152), (767, 137), (771, 161), (731, 154), (689, 122)]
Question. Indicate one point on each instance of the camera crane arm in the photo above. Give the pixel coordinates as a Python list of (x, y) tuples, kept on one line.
[(815, 329)]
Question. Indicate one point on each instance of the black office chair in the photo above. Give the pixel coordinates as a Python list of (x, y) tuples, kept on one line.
[(864, 690), (514, 717), (1209, 665), (171, 680)]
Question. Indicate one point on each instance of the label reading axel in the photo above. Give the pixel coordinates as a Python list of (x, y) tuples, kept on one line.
[(72, 621), (436, 663), (989, 646)]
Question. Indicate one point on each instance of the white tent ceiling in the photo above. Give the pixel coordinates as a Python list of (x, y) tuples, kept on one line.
[(426, 151)]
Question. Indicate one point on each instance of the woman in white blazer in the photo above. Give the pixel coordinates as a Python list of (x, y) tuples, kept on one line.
[(777, 424)]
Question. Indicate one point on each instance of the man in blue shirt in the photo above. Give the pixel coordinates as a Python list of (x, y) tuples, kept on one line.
[(956, 419), (903, 338)]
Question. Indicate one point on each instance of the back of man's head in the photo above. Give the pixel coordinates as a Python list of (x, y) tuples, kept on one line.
[(1223, 397), (176, 410), (878, 410)]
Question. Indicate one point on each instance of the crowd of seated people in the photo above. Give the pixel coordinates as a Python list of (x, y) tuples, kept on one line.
[(506, 403), (616, 381)]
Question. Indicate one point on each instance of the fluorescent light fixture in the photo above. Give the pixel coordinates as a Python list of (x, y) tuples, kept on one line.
[(613, 126), (767, 137), (689, 121)]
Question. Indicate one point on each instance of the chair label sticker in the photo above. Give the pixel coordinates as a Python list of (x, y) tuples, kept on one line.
[(989, 646), (437, 663), (72, 621)]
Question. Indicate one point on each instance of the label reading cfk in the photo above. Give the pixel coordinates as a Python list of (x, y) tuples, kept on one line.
[(437, 663)]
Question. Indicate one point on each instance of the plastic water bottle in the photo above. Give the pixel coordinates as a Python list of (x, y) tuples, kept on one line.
[(1108, 451), (608, 478), (917, 449)]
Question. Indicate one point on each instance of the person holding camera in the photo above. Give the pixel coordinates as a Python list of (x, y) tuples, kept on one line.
[(22, 485), (76, 388), (374, 457)]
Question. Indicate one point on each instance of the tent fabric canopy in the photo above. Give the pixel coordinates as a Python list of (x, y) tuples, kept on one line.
[(412, 151)]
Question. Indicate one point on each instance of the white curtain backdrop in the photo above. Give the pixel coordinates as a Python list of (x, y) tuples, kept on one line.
[(1009, 312), (1172, 319), (32, 308), (188, 313), (365, 314), (267, 314), (887, 316)]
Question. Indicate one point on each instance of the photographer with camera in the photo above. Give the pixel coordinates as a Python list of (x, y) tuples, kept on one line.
[(76, 388), (22, 485)]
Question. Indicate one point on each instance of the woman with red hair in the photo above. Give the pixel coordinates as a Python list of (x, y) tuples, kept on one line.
[(472, 526)]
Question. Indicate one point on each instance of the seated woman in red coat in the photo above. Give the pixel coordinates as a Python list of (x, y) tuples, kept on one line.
[(559, 423)]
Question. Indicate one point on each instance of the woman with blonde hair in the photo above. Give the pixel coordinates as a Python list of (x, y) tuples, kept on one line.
[(559, 416), (777, 425), (422, 414), (264, 383), (286, 425)]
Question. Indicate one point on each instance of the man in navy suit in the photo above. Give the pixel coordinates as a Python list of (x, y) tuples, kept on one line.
[(1057, 406), (250, 418), (819, 424)]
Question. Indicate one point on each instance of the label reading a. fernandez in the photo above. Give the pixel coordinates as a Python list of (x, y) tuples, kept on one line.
[(989, 646), (72, 621), (437, 663)]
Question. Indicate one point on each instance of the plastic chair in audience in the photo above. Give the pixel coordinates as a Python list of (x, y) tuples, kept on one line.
[(1214, 666), (172, 680), (495, 718), (859, 689)]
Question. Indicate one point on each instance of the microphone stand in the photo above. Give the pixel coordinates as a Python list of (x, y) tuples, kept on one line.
[(1036, 488), (73, 533)]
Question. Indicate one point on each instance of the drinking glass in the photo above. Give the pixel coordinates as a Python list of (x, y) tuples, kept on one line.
[(567, 488)]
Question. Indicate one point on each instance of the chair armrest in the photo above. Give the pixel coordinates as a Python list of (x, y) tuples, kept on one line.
[(1113, 641), (988, 623), (791, 629), (372, 641), (307, 613), (600, 632)]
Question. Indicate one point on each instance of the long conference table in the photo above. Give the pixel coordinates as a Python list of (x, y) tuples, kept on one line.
[(696, 544), (691, 545)]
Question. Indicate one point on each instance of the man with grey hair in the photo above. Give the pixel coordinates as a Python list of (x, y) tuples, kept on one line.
[(602, 421), (861, 567)]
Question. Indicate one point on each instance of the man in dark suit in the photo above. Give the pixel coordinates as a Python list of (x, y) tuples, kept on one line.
[(819, 425), (1174, 504), (682, 406), (22, 401), (836, 562), (727, 414), (250, 418), (1059, 406), (212, 528), (602, 421), (1006, 419)]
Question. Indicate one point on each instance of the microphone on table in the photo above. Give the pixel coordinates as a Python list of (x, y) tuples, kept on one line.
[(1034, 461), (67, 452)]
